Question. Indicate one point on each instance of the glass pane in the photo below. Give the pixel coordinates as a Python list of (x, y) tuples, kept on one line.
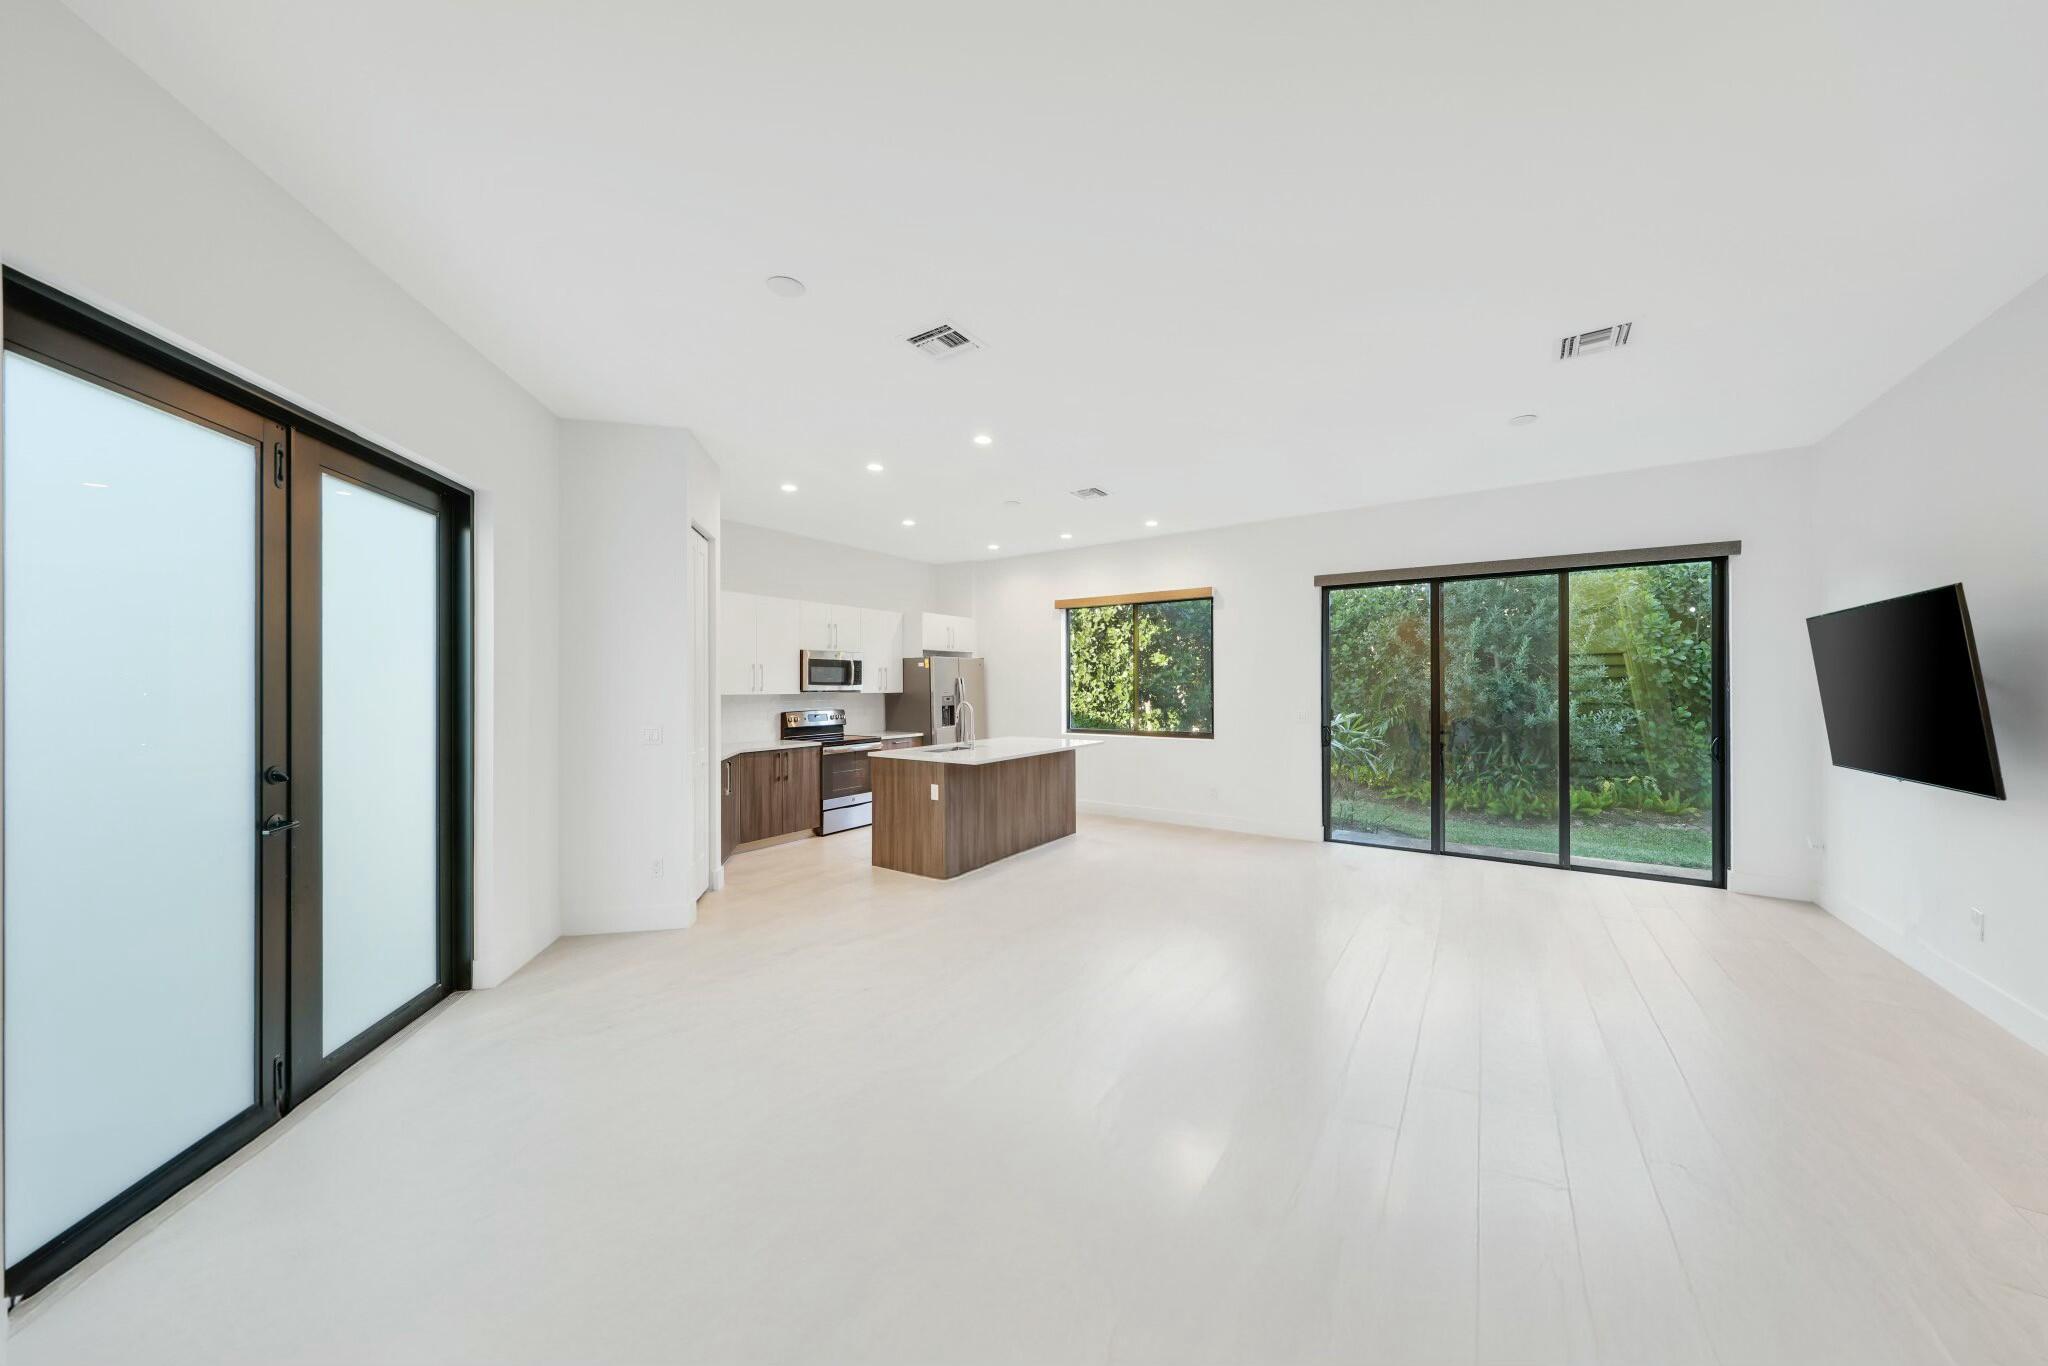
[(1642, 662), (379, 884), (1099, 683), (1379, 714), (1500, 717), (131, 636), (1174, 691)]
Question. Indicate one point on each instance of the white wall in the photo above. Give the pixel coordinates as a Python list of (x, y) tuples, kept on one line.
[(1945, 480), (758, 560), (1261, 771), (629, 693), (111, 191)]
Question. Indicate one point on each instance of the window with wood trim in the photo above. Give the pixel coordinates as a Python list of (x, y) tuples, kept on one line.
[(1141, 664)]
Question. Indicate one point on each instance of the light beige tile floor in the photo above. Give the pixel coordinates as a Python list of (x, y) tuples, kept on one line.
[(1149, 1094)]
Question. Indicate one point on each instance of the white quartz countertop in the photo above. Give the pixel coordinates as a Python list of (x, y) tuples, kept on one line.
[(987, 751), (733, 747)]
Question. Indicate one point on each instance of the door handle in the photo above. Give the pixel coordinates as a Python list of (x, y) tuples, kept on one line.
[(277, 825)]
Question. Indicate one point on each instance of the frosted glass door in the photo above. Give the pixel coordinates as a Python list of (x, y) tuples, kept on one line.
[(380, 907), (132, 691)]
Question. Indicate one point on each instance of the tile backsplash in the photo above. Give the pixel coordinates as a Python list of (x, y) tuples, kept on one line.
[(748, 718)]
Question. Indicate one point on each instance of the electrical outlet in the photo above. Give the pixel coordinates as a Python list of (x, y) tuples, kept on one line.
[(650, 735), (660, 867), (1814, 842), (1977, 919), (935, 791)]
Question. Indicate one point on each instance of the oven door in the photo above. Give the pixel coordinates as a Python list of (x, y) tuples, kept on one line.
[(829, 671), (845, 799)]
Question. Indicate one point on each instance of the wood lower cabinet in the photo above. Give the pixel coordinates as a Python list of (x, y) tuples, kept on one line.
[(773, 793), (728, 809)]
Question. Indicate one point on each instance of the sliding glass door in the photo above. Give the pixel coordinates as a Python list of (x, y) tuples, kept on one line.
[(1563, 716), (234, 778), (1500, 708), (1377, 763), (1644, 657)]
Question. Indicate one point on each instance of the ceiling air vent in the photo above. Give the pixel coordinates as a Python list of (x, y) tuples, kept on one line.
[(944, 341), (1090, 493), (1599, 339)]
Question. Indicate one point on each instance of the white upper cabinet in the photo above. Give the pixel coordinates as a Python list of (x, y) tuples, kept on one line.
[(757, 646), (829, 626), (948, 633), (776, 630), (737, 660), (881, 653), (759, 639)]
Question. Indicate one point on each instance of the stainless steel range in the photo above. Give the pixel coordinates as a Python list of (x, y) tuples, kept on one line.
[(845, 801)]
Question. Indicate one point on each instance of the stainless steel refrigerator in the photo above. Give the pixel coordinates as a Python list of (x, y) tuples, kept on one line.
[(934, 687)]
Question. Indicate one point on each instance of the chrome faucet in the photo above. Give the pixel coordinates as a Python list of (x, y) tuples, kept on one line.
[(965, 731)]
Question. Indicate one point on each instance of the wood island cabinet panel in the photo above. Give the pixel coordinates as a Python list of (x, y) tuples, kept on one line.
[(984, 812), (909, 831)]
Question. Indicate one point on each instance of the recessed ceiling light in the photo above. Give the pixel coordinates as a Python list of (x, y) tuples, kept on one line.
[(910, 521), (1066, 535), (983, 439), (785, 286), (993, 546), (1151, 521), (91, 485), (789, 488), (874, 467), (1524, 420)]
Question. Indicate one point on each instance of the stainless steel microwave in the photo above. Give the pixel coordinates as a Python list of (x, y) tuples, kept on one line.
[(828, 671)]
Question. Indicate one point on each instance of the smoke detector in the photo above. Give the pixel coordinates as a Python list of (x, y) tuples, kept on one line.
[(1599, 339), (1090, 493), (943, 342)]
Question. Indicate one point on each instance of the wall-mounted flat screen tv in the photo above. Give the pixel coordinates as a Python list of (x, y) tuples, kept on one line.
[(1902, 693)]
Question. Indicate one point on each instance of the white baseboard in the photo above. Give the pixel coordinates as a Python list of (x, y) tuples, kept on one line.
[(1764, 884), (1202, 819), (2019, 1018), (627, 919)]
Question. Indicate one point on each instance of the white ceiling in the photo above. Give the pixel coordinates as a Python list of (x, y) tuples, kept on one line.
[(1231, 261)]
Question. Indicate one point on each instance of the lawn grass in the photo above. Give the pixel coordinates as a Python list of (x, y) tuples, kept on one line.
[(1666, 843)]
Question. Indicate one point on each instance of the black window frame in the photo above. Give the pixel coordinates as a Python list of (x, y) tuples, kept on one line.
[(1134, 603), (52, 327), (1561, 569)]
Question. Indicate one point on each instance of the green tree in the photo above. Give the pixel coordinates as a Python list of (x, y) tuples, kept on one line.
[(1148, 667), (1100, 685)]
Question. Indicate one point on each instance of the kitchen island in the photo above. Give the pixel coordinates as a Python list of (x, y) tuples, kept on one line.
[(943, 810)]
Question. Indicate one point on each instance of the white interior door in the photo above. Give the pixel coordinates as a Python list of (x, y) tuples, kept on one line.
[(703, 697)]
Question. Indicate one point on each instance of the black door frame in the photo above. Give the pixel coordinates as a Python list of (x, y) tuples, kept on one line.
[(1717, 722), (55, 329)]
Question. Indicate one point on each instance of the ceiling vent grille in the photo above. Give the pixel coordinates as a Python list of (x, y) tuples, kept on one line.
[(1090, 493), (944, 341), (1599, 339)]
